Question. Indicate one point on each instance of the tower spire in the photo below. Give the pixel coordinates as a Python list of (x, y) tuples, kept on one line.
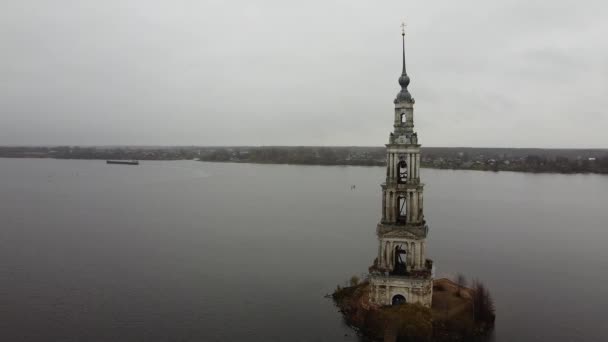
[(403, 46), (404, 80)]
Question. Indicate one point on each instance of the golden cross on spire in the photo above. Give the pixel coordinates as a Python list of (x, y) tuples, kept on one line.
[(403, 28)]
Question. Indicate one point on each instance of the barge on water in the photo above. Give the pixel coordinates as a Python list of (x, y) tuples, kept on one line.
[(123, 162)]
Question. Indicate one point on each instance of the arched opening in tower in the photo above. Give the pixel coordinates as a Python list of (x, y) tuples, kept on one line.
[(402, 210), (402, 170), (398, 300), (400, 262)]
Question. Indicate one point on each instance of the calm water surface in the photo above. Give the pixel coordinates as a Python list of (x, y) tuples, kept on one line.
[(192, 251)]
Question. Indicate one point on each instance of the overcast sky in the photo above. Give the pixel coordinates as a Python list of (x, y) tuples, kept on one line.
[(517, 73)]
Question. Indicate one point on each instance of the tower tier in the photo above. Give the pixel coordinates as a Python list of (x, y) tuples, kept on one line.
[(401, 272)]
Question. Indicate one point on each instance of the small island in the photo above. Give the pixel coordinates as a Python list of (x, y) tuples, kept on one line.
[(458, 313)]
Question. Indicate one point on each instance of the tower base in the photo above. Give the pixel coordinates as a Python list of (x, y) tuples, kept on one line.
[(394, 290)]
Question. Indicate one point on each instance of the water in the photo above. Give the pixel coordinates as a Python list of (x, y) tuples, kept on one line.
[(191, 251)]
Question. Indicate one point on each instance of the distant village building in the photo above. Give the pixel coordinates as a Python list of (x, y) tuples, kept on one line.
[(401, 273)]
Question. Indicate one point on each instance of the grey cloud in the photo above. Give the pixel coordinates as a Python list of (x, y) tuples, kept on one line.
[(301, 73)]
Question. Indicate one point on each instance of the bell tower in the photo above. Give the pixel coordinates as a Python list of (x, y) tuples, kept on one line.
[(401, 273)]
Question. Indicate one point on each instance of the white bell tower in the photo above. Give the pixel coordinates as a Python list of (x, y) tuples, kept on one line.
[(401, 272)]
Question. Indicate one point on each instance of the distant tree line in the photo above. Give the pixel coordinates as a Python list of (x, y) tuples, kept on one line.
[(298, 155), (77, 152), (485, 159), (465, 158)]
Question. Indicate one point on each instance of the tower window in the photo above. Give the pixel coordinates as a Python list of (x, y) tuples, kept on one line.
[(402, 170), (403, 117), (402, 214), (400, 261)]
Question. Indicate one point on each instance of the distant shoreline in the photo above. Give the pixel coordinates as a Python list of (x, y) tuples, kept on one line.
[(384, 165), (301, 164), (532, 160)]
